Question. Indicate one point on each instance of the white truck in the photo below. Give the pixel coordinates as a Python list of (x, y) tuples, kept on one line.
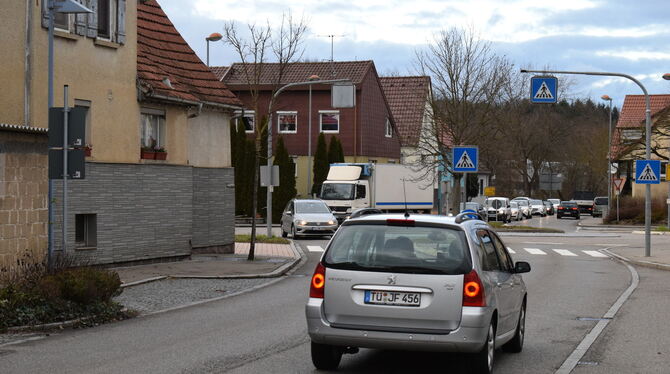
[(352, 186)]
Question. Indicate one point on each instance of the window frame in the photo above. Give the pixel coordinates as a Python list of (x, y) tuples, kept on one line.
[(87, 127), (111, 19), (161, 141), (280, 114), (483, 252), (388, 130), (335, 112), (247, 114), (86, 231)]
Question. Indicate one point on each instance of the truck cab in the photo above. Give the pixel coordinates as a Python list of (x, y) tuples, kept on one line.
[(345, 196)]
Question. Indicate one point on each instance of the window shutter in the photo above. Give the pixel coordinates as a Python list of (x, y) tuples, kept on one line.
[(92, 31), (80, 24), (45, 14), (121, 21)]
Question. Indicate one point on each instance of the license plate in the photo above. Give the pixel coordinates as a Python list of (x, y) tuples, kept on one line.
[(393, 298)]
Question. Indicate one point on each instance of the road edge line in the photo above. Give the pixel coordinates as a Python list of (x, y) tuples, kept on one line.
[(571, 362)]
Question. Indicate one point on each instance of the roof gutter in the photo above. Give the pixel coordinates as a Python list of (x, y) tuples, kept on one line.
[(195, 103)]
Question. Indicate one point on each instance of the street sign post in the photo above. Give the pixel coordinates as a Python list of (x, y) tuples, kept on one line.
[(466, 159), (269, 179), (543, 89), (647, 171), (489, 191), (618, 185)]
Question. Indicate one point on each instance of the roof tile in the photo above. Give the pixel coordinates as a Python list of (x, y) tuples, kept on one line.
[(163, 53), (407, 99), (296, 72)]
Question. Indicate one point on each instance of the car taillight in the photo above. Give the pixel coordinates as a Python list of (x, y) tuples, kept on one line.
[(318, 282), (574, 208), (560, 208), (473, 290)]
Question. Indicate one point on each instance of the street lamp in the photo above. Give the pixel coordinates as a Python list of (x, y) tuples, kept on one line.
[(666, 76), (64, 7), (213, 37), (311, 78), (609, 156)]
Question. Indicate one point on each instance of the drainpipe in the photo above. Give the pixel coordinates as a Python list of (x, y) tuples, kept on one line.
[(27, 71), (197, 113)]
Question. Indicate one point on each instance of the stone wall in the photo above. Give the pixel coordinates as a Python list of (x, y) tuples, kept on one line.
[(23, 197), (213, 210)]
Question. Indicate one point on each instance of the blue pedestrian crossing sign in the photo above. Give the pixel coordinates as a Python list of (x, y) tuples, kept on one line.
[(543, 89), (647, 171), (466, 159)]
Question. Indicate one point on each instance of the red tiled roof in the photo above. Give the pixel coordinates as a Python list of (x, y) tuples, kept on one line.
[(219, 71), (299, 71), (164, 59), (407, 98), (633, 110)]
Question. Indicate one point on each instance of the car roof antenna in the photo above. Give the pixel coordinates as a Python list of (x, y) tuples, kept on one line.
[(404, 194)]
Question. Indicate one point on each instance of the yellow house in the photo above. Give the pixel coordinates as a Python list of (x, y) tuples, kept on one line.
[(159, 181)]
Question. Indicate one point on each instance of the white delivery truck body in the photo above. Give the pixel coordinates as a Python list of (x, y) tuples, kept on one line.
[(353, 186)]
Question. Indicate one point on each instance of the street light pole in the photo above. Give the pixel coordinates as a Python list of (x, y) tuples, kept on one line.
[(667, 168), (309, 138), (213, 37), (609, 156), (269, 154), (647, 190)]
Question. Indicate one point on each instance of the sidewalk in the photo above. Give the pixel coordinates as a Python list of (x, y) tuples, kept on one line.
[(660, 253), (272, 260)]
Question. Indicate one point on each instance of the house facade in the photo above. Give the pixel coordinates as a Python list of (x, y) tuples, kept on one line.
[(628, 141), (367, 131), (145, 91)]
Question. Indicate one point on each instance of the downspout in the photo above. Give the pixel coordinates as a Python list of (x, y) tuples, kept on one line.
[(197, 113), (27, 70)]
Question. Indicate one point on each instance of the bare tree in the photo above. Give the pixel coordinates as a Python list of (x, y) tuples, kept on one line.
[(264, 45), (467, 77)]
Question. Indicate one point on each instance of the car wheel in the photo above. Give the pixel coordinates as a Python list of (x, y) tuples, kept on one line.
[(326, 357), (482, 361), (283, 233), (516, 344), (293, 233)]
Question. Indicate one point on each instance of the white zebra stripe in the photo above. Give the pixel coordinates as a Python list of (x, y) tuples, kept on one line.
[(535, 251), (595, 254), (564, 252)]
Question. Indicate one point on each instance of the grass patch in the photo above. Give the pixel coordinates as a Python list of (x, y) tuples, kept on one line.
[(499, 226), (662, 228), (261, 239)]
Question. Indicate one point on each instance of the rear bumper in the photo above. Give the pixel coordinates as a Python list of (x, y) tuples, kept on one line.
[(316, 230), (468, 337)]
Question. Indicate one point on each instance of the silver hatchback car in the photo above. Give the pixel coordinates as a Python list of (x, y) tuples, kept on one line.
[(417, 282)]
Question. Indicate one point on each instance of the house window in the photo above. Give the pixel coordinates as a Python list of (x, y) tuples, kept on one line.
[(248, 120), (85, 104), (287, 122), (152, 126), (631, 135), (86, 230), (389, 128), (294, 159), (330, 121), (62, 21), (104, 19)]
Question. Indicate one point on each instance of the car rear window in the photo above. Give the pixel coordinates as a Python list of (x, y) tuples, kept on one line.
[(568, 204), (600, 201), (399, 249)]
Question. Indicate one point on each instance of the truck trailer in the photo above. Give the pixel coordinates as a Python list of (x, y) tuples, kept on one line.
[(352, 186)]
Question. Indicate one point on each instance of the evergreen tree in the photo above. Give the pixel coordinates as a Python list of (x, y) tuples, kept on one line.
[(340, 152), (321, 165), (286, 190), (335, 153)]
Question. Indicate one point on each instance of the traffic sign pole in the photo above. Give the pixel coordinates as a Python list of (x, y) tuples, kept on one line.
[(647, 192)]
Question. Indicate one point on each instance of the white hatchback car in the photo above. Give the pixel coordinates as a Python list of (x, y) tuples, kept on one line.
[(417, 282)]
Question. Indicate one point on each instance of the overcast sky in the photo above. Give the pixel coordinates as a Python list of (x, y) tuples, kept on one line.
[(626, 36)]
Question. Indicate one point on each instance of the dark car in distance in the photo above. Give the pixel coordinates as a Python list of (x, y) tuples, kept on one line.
[(550, 207), (567, 208)]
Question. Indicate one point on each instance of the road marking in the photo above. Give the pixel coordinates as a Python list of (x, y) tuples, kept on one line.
[(549, 243), (314, 248), (564, 252), (579, 352), (595, 254), (612, 245), (510, 250), (535, 251)]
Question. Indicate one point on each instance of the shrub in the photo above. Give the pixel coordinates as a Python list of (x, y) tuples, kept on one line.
[(81, 285), (631, 210)]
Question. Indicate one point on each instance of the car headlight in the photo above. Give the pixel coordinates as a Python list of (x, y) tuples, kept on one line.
[(302, 223), (331, 222)]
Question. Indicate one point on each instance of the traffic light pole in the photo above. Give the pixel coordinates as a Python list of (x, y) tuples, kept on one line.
[(647, 191)]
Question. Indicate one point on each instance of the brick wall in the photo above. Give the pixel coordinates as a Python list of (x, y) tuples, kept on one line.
[(23, 197), (213, 210)]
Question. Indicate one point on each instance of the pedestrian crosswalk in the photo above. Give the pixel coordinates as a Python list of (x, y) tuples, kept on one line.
[(559, 251)]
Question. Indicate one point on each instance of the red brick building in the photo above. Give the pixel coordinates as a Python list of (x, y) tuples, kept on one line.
[(367, 131)]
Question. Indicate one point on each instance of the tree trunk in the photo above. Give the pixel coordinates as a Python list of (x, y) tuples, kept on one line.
[(456, 195), (254, 204)]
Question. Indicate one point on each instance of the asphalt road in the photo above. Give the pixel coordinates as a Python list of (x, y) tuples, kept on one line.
[(264, 331)]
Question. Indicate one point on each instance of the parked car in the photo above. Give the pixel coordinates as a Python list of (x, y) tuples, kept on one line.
[(446, 282), (475, 206), (517, 214), (524, 206), (303, 217), (549, 207), (567, 208), (599, 206), (537, 207), (498, 209)]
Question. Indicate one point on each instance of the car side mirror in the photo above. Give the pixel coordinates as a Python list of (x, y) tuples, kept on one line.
[(521, 267)]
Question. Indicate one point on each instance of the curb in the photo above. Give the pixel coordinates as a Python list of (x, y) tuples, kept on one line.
[(653, 232), (299, 258), (647, 264), (48, 326)]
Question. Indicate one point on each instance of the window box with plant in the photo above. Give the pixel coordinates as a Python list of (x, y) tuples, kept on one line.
[(87, 150), (160, 153)]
